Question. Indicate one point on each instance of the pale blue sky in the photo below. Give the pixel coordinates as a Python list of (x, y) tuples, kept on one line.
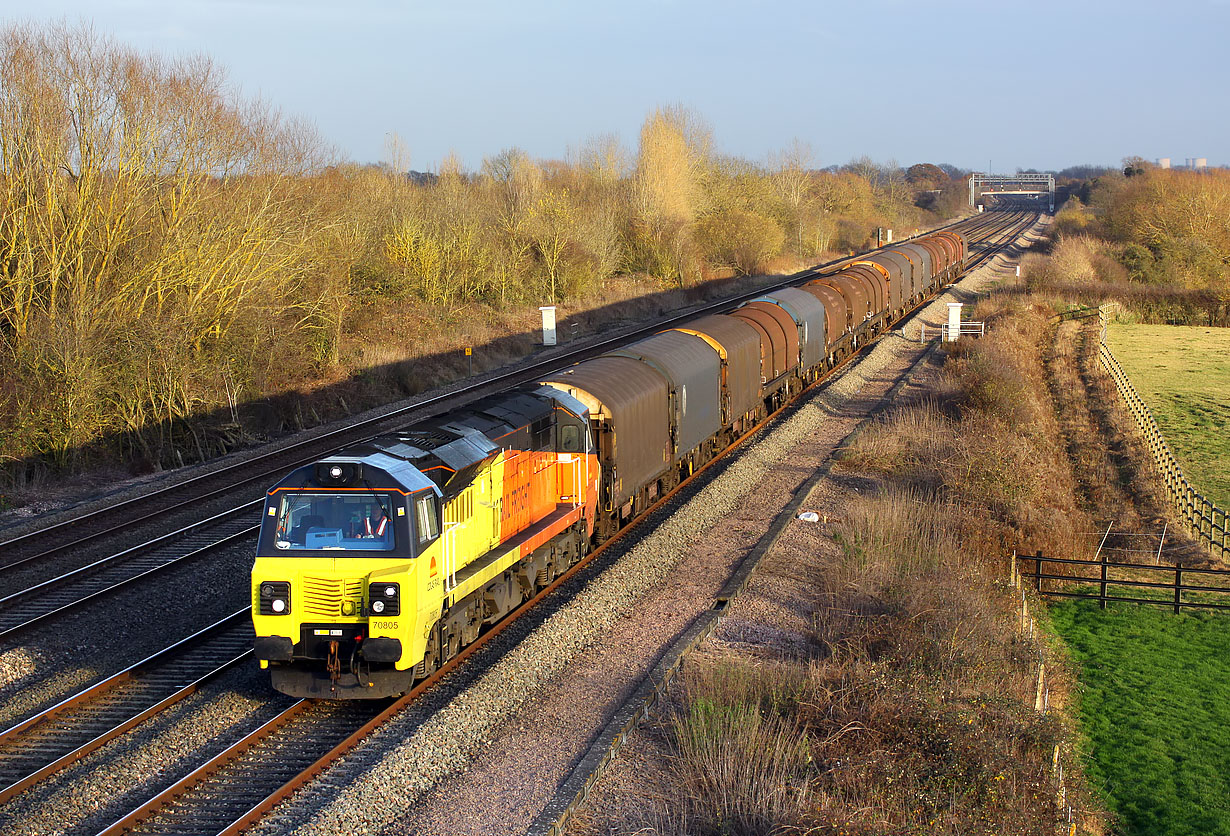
[(911, 81)]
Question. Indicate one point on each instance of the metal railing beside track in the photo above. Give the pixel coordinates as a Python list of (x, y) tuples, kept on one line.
[(1206, 521)]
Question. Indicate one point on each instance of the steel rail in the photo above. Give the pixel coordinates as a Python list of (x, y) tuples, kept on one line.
[(63, 734), (27, 609), (256, 468), (213, 769), (161, 540)]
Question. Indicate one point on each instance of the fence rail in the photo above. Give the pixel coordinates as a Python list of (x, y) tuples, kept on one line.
[(1207, 522), (978, 329), (1113, 575)]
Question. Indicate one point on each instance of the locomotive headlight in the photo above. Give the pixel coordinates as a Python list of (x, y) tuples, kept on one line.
[(335, 472), (385, 598), (274, 597)]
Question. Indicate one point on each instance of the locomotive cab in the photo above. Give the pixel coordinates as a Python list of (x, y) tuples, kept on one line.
[(335, 583)]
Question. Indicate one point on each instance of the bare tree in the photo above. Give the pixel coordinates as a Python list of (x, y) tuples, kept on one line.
[(792, 180), (551, 232)]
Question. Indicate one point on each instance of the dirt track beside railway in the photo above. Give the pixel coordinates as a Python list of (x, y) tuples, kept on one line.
[(490, 758)]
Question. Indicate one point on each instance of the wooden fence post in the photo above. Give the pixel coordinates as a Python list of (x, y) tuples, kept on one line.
[(1102, 594), (1178, 589), (1038, 569)]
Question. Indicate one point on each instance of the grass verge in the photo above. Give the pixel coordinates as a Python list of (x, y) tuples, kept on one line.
[(1155, 709), (1183, 373)]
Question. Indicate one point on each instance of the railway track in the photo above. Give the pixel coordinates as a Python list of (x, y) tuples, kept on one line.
[(59, 736), (56, 544), (58, 596), (239, 785), (58, 590)]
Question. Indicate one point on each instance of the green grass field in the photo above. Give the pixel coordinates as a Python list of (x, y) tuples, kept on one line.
[(1155, 706), (1183, 373)]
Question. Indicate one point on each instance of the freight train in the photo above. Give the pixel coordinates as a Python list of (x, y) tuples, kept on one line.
[(379, 563)]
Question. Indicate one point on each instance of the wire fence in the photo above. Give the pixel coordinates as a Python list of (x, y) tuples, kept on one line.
[(1206, 520)]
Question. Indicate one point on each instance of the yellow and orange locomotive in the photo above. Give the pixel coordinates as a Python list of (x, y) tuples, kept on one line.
[(376, 564)]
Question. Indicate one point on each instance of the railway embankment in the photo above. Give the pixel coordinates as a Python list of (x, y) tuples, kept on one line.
[(878, 672), (491, 758)]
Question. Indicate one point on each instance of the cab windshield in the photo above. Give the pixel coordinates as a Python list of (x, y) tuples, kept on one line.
[(335, 521)]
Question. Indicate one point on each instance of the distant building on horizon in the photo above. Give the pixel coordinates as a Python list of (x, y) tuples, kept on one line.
[(1189, 163)]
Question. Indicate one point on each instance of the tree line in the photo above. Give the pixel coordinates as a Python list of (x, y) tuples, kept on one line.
[(170, 248), (1156, 239)]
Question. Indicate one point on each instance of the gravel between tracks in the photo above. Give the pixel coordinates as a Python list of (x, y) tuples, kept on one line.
[(55, 660), (593, 649), (89, 795)]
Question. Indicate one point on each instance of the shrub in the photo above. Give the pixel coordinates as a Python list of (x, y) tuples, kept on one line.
[(743, 241)]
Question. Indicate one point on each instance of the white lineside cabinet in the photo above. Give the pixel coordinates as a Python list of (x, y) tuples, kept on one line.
[(954, 322), (548, 324)]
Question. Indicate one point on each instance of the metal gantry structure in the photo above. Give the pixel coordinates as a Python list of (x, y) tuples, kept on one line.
[(1012, 184)]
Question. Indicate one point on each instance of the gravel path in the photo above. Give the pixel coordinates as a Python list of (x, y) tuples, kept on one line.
[(488, 760)]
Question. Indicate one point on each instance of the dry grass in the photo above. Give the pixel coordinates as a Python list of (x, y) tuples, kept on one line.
[(1086, 270), (742, 757), (986, 441), (914, 712), (1098, 478)]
